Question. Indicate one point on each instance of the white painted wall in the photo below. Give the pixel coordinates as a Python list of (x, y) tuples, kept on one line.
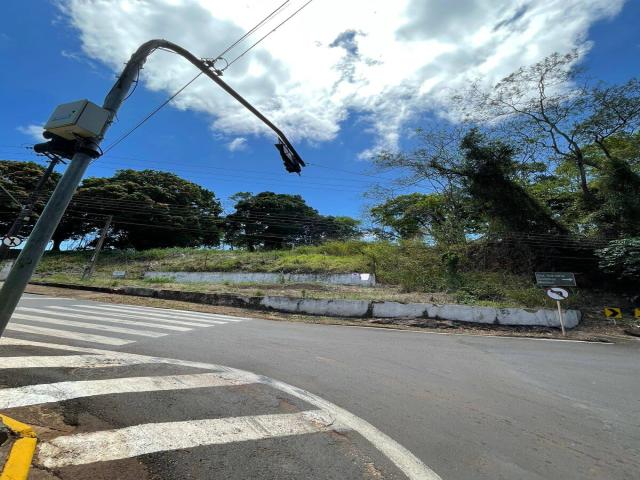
[(359, 279)]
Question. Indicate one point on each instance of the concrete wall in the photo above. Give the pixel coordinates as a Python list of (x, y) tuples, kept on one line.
[(460, 313), (354, 308), (360, 279), (466, 313)]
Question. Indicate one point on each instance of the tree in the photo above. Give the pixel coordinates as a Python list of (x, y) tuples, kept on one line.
[(336, 228), (618, 212), (622, 259), (486, 176), (150, 209), (272, 221), (419, 215), (550, 105)]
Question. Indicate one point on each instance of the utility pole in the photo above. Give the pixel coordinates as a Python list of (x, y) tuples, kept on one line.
[(27, 208), (85, 150), (89, 269)]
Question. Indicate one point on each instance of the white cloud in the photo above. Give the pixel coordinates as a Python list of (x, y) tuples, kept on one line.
[(34, 131), (237, 144), (388, 61)]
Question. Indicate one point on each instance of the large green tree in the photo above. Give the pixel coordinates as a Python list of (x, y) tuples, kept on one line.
[(150, 209), (274, 221), (418, 215)]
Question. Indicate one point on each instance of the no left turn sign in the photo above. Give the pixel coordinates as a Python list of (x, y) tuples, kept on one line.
[(11, 241), (557, 293)]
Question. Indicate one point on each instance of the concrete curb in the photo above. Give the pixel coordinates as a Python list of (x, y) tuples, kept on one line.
[(19, 461), (352, 308)]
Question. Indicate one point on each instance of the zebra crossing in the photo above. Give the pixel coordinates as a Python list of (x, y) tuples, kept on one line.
[(256, 411), (108, 324)]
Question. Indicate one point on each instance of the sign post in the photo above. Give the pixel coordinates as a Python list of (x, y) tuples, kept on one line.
[(559, 294)]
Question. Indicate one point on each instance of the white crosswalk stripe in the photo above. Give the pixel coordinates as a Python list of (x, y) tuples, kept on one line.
[(56, 392), (77, 313), (175, 313), (148, 438), (67, 334), (130, 441), (99, 311), (60, 321), (87, 325), (164, 318), (67, 361)]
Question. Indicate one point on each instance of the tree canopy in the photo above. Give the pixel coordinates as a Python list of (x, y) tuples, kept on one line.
[(150, 209), (273, 221)]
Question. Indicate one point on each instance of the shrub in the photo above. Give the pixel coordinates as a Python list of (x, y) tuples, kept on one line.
[(621, 258)]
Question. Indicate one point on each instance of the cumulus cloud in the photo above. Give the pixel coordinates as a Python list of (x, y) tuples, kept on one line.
[(237, 144), (386, 61), (33, 131)]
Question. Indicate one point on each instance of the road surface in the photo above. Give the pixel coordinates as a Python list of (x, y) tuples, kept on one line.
[(152, 393)]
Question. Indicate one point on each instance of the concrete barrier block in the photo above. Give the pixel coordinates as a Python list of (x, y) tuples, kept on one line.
[(397, 309), (338, 308), (283, 304), (462, 313)]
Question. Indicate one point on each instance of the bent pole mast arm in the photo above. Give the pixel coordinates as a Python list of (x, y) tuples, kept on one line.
[(84, 153), (116, 96)]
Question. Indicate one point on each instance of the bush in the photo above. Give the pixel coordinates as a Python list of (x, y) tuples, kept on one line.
[(621, 258)]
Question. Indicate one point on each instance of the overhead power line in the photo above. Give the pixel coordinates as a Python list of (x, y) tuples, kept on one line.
[(269, 33), (181, 89)]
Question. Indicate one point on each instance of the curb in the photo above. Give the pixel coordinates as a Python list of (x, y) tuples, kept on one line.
[(19, 460)]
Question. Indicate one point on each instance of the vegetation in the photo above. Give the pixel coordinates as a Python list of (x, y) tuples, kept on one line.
[(271, 221), (542, 172)]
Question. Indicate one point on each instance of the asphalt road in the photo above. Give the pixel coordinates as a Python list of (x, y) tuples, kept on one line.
[(467, 407)]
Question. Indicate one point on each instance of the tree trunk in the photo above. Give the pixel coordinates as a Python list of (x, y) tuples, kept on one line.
[(583, 178)]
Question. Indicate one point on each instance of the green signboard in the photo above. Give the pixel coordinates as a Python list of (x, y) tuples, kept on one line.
[(555, 279)]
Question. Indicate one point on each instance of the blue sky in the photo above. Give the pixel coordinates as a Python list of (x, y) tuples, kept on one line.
[(47, 59)]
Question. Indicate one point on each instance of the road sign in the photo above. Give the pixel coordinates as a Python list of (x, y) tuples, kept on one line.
[(11, 241), (555, 279), (636, 312), (119, 274), (612, 312), (557, 293)]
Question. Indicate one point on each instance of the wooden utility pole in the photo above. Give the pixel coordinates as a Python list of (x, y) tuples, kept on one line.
[(89, 269)]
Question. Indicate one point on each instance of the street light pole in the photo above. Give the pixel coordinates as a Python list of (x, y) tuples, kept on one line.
[(28, 260)]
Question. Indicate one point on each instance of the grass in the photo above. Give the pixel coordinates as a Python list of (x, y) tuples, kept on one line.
[(406, 272)]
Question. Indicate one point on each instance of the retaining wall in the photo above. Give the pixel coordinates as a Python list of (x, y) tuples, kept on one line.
[(355, 308), (359, 279)]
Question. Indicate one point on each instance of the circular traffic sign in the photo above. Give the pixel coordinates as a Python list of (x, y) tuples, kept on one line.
[(12, 241), (557, 293)]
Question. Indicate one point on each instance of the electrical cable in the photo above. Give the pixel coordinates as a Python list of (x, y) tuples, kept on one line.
[(163, 104), (251, 31), (269, 33), (151, 114)]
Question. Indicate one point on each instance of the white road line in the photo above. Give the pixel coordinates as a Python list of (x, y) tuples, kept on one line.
[(87, 325), (174, 313), (107, 318), (66, 361), (408, 463), (56, 392), (51, 332), (128, 442), (137, 315)]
